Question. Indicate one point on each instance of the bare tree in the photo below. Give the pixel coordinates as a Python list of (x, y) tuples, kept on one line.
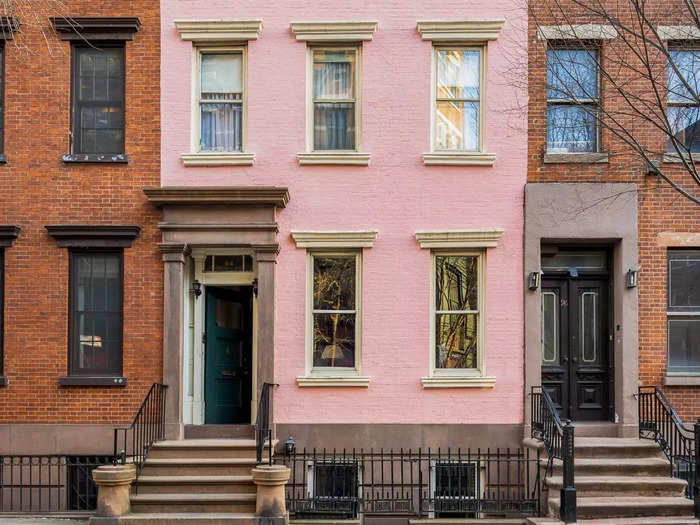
[(642, 93), (26, 18)]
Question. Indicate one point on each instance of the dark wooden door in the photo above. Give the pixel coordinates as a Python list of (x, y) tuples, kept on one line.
[(575, 347), (228, 370)]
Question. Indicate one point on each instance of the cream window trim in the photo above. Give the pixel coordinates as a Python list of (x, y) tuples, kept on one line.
[(679, 32), (460, 158), (458, 382), (210, 31), (329, 157), (460, 30), (675, 158), (334, 239), (334, 31), (218, 159), (483, 238), (341, 381), (577, 32)]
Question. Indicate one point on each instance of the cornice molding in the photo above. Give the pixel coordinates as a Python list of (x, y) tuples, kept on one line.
[(236, 30), (458, 382), (334, 31), (8, 235), (577, 32), (331, 381), (318, 158), (93, 236), (95, 28), (334, 239), (184, 195), (460, 30), (218, 159), (444, 158), (483, 238)]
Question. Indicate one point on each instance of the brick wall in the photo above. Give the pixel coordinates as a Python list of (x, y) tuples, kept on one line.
[(661, 209), (39, 189)]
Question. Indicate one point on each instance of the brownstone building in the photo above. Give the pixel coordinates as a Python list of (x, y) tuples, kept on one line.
[(82, 275)]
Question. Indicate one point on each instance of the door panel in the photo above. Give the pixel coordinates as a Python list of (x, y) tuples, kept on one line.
[(228, 355), (555, 354)]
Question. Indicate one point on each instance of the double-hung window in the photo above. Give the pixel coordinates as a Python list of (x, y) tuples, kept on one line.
[(683, 100), (683, 314), (573, 100)]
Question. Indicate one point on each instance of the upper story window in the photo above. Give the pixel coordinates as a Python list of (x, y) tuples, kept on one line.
[(684, 311), (683, 107), (573, 99)]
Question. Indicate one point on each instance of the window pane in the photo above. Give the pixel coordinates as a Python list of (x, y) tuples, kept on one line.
[(582, 261), (335, 480), (101, 74), (456, 283), (684, 281), (334, 283), (684, 343), (221, 127), (458, 74), (571, 129), (455, 480), (685, 126), (334, 126), (334, 74), (688, 64), (588, 326), (456, 340), (572, 74), (221, 73), (457, 126), (550, 327), (334, 340)]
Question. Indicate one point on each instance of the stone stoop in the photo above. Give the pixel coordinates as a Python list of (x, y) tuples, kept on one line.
[(625, 480)]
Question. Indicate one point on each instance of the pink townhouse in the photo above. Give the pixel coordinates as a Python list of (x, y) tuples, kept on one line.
[(342, 219)]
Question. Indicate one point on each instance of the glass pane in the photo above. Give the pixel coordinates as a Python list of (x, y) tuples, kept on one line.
[(334, 340), (334, 283), (334, 126), (100, 74), (588, 326), (688, 64), (208, 261), (550, 327), (248, 263), (458, 74), (572, 74), (335, 480), (684, 343), (685, 126), (228, 263), (453, 480), (221, 73), (334, 74), (457, 126), (684, 280), (221, 127), (571, 129), (456, 340), (228, 314), (456, 283), (582, 261)]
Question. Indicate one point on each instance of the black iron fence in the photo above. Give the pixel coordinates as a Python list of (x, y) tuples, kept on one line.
[(48, 484), (423, 483)]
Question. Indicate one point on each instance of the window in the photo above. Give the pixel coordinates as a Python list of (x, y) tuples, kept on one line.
[(683, 108), (335, 111), (2, 315), (228, 263), (98, 99), (572, 100), (96, 280), (221, 100), (334, 488), (3, 158), (454, 485), (458, 99), (684, 311)]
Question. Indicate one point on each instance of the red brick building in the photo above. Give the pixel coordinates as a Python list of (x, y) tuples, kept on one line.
[(82, 275)]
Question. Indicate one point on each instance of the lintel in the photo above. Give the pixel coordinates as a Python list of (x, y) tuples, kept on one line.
[(93, 236), (234, 30), (483, 238), (334, 31), (186, 195), (334, 239), (678, 32), (460, 30), (577, 32), (95, 28), (8, 235)]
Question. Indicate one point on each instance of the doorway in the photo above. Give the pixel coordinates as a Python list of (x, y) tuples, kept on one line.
[(228, 342)]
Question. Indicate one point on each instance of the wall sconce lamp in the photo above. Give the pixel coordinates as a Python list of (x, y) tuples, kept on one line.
[(632, 276), (533, 280), (197, 288), (290, 446)]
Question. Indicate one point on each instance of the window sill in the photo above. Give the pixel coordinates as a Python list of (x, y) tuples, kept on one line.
[(576, 158), (4, 381), (675, 158), (317, 158), (458, 382), (458, 159), (344, 381), (95, 158), (92, 381), (218, 159), (682, 380)]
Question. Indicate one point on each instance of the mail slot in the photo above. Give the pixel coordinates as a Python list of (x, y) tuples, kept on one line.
[(229, 373)]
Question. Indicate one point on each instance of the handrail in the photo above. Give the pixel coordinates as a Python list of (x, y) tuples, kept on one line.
[(147, 427), (263, 430)]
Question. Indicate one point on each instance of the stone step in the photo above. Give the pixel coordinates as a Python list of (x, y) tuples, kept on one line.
[(195, 485), (627, 507), (205, 448), (655, 520), (621, 486), (208, 518), (590, 447), (198, 466), (198, 503), (219, 431), (615, 466)]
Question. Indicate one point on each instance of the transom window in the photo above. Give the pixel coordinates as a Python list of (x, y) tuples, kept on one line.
[(220, 100), (458, 107), (572, 100), (684, 311), (228, 263), (334, 101), (683, 108)]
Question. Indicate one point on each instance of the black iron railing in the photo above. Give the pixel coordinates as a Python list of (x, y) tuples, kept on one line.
[(48, 484), (659, 421), (423, 483), (558, 439), (263, 427), (147, 428)]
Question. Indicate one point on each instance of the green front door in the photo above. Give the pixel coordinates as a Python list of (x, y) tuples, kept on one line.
[(228, 372)]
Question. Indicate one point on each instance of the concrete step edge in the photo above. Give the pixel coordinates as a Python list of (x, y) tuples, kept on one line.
[(178, 480), (617, 480), (640, 502), (201, 461), (191, 498)]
